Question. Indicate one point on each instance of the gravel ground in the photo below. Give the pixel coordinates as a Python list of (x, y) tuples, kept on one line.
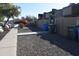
[(34, 45), (20, 30), (45, 45), (29, 29)]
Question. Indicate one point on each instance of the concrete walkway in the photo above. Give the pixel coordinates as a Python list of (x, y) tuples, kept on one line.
[(8, 44)]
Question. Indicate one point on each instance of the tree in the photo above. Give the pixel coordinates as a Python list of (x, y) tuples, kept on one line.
[(1, 18), (31, 18), (9, 10)]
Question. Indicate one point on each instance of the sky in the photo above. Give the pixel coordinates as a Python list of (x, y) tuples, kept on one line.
[(33, 9)]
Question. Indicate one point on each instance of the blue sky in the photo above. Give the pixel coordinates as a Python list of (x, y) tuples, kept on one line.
[(33, 9)]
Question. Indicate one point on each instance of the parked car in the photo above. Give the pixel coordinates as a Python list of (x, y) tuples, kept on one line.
[(1, 29), (16, 25)]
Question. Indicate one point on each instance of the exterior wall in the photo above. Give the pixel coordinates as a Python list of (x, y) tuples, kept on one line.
[(59, 21), (41, 22), (77, 21), (40, 16), (59, 24), (68, 21), (71, 10), (63, 23), (45, 15), (67, 11)]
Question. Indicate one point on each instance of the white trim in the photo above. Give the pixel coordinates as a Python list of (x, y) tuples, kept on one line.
[(30, 33)]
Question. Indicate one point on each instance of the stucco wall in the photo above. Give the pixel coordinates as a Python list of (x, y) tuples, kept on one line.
[(41, 22), (63, 23)]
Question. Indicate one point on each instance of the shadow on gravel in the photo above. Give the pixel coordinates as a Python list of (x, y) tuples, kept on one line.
[(65, 44), (34, 28)]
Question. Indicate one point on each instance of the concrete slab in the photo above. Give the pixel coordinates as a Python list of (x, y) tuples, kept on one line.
[(8, 45), (30, 33), (8, 51)]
